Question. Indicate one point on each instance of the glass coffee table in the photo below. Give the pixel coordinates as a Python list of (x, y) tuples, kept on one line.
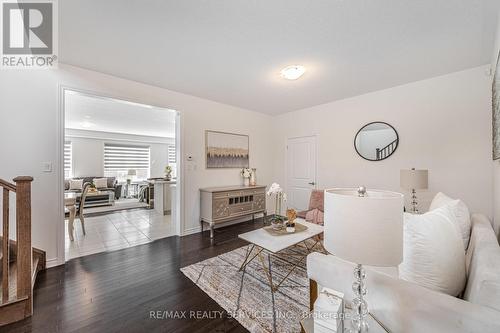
[(261, 241)]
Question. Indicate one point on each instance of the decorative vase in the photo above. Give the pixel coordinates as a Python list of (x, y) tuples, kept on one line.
[(246, 181), (253, 177), (277, 224)]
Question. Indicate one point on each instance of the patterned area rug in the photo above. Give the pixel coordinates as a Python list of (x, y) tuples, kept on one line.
[(247, 296)]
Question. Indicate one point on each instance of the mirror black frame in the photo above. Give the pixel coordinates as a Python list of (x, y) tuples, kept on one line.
[(377, 122)]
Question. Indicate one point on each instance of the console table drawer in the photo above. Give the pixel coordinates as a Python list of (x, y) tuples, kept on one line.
[(220, 195), (240, 209)]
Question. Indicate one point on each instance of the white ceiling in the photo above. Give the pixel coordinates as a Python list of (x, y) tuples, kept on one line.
[(92, 113), (231, 51)]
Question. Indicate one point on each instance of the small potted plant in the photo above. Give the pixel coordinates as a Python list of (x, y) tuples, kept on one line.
[(168, 172), (278, 220)]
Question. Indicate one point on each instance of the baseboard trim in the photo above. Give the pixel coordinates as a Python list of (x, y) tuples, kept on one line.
[(52, 262), (191, 231)]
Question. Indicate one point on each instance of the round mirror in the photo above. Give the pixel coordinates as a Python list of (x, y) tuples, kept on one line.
[(376, 141)]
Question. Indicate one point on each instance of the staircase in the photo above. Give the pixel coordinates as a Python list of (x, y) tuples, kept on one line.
[(20, 261)]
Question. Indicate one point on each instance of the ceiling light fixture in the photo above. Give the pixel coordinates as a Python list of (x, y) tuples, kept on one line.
[(292, 72)]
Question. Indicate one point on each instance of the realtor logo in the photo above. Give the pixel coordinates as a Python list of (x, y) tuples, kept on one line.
[(28, 34)]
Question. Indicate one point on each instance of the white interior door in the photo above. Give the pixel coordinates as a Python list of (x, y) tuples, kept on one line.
[(301, 171)]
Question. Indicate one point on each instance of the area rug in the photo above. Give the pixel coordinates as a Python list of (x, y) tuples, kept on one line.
[(246, 295)]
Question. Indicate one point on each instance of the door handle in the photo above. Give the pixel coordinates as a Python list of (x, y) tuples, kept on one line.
[(312, 183)]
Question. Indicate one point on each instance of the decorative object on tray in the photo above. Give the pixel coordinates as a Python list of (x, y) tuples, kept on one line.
[(246, 173), (278, 220), (253, 177), (413, 180), (168, 172), (291, 214), (495, 87), (328, 312), (226, 150), (375, 220), (280, 232)]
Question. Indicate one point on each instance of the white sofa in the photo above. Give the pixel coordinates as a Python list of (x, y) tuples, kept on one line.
[(406, 307)]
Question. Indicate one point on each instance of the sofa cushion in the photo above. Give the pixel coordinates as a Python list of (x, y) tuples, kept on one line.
[(76, 184), (483, 264), (433, 254), (111, 181), (461, 212), (101, 183)]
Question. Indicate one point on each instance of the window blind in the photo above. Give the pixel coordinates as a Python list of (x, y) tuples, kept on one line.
[(68, 157), (171, 154), (120, 157)]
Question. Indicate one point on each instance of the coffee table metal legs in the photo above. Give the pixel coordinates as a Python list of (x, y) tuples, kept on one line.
[(249, 252), (267, 268)]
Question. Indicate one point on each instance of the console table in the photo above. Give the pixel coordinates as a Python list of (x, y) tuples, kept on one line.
[(223, 204)]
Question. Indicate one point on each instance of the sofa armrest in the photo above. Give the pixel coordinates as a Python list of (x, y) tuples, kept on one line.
[(404, 306)]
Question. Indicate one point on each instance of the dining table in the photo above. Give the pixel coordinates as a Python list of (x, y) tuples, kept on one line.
[(70, 204)]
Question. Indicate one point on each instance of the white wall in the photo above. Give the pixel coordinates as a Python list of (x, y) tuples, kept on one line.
[(444, 125), (88, 151), (496, 164), (31, 130)]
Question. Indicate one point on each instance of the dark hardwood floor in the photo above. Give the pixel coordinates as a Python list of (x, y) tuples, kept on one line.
[(116, 291)]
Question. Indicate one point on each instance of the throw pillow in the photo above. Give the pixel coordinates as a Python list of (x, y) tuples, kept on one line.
[(461, 212), (76, 184), (101, 182), (433, 255)]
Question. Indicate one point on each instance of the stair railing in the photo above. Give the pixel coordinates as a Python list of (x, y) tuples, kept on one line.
[(387, 150), (22, 190)]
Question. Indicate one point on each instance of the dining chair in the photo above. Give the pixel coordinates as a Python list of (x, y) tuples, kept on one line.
[(81, 205)]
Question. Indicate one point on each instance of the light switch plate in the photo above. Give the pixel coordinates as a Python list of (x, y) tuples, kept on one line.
[(46, 166)]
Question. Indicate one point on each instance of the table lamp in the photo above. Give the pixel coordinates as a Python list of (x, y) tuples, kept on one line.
[(413, 180), (366, 228)]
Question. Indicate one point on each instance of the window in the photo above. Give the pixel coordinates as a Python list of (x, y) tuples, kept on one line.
[(126, 161), (172, 159), (171, 154), (68, 159)]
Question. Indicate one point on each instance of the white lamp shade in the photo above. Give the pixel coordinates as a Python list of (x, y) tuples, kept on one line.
[(365, 230), (414, 179)]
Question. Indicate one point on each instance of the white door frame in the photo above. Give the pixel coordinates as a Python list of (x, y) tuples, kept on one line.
[(59, 167), (316, 174)]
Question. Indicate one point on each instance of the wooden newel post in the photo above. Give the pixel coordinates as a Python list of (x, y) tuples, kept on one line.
[(23, 238)]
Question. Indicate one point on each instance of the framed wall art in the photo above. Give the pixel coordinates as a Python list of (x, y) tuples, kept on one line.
[(226, 150)]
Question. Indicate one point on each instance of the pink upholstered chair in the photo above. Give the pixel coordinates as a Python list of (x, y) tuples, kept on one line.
[(316, 208)]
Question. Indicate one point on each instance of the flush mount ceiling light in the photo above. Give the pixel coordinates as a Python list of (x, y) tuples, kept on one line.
[(292, 72)]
